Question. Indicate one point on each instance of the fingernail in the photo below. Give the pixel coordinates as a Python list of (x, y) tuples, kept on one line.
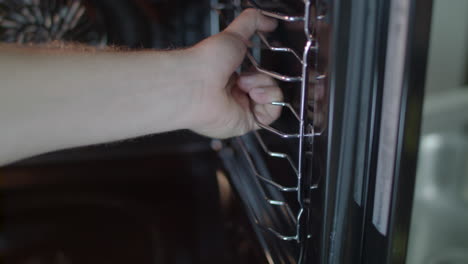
[(258, 90), (245, 80)]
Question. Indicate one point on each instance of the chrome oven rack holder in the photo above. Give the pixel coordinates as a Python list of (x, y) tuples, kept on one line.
[(305, 134)]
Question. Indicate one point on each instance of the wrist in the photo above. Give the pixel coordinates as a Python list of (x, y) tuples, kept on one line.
[(170, 80), (195, 76)]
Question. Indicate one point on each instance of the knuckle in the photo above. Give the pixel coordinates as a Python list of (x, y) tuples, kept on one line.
[(250, 12), (235, 41)]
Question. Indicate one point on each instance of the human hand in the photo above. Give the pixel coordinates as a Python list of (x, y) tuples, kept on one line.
[(85, 96), (221, 108)]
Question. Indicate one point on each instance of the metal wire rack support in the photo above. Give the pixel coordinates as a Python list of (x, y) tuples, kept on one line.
[(305, 133)]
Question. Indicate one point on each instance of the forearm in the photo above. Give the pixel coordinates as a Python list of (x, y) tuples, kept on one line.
[(56, 99), (53, 99)]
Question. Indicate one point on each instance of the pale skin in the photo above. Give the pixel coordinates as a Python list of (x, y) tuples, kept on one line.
[(52, 99)]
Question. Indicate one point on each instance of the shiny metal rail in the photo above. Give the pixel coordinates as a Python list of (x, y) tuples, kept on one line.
[(265, 41), (283, 17), (273, 74), (276, 131), (275, 154), (270, 201), (305, 133), (254, 170)]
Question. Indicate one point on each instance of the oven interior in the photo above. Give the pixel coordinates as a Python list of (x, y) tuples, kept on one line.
[(179, 197)]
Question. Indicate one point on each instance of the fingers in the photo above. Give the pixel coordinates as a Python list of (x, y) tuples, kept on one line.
[(261, 88), (229, 47), (248, 81), (250, 21), (266, 94), (262, 97), (262, 91)]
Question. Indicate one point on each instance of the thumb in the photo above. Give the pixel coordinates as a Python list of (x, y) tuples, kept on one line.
[(250, 21), (237, 34)]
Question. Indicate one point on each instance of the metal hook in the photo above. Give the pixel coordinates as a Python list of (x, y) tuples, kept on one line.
[(257, 174), (276, 131), (274, 232), (275, 154), (283, 237), (321, 77), (282, 17), (277, 49), (273, 74), (276, 15), (285, 205), (289, 106)]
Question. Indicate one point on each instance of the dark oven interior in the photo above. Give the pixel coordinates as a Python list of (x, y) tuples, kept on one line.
[(177, 197)]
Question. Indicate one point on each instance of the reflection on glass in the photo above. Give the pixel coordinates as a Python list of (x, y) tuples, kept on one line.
[(439, 225)]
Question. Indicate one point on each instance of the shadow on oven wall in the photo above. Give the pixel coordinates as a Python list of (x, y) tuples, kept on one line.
[(137, 201), (160, 24)]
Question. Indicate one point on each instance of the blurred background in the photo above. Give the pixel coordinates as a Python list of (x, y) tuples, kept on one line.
[(439, 224)]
